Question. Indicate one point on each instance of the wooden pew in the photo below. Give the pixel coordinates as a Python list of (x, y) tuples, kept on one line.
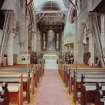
[(100, 94), (15, 69), (33, 82), (90, 92), (37, 68), (85, 88), (12, 91), (14, 80), (34, 77), (66, 76), (41, 70), (92, 76), (61, 70), (4, 95), (86, 71)]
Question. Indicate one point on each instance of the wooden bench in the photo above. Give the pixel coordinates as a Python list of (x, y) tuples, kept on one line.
[(14, 86), (73, 77), (61, 70), (33, 81), (4, 95), (100, 94), (86, 71), (13, 80), (85, 87), (39, 72)]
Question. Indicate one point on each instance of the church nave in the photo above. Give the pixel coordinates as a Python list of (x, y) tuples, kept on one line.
[(52, 52)]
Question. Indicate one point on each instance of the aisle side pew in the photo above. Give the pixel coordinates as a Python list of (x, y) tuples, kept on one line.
[(18, 70), (91, 71), (66, 76), (85, 87), (11, 91), (39, 71), (92, 93), (61, 70), (14, 84), (100, 94), (4, 95)]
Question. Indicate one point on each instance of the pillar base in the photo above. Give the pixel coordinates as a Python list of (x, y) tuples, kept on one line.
[(23, 58)]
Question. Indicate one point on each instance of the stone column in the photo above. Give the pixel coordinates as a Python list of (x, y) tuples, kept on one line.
[(23, 37), (34, 42), (29, 41), (78, 45), (75, 43), (62, 47), (44, 41), (38, 42), (10, 48), (103, 32), (91, 48), (57, 41)]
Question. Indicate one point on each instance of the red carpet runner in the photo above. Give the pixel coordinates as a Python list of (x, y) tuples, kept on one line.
[(51, 91)]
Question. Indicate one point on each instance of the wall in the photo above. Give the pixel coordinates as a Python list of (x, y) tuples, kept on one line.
[(1, 33)]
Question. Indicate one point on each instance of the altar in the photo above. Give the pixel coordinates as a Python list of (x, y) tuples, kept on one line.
[(50, 41)]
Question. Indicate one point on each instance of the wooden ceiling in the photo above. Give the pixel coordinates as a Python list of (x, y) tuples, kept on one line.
[(51, 20)]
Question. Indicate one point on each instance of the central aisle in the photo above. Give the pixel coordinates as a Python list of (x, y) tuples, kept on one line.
[(51, 91)]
